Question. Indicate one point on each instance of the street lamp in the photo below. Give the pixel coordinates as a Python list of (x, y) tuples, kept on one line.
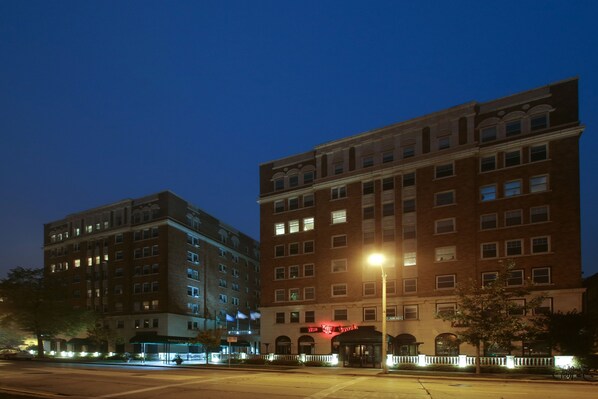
[(377, 259)]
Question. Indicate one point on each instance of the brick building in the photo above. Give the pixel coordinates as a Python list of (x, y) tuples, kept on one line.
[(445, 197), (157, 269)]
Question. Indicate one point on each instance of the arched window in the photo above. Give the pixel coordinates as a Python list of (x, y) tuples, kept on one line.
[(446, 345), (283, 345), (406, 345), (306, 344)]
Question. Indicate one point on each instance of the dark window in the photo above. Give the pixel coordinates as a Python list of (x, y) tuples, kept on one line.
[(280, 317), (388, 183), (388, 209), (368, 212), (409, 205), (368, 187), (513, 128), (539, 122), (310, 316), (512, 158), (538, 153), (409, 179), (488, 163), (444, 170)]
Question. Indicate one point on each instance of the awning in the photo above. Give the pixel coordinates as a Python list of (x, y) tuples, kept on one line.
[(154, 338), (240, 342), (362, 335)]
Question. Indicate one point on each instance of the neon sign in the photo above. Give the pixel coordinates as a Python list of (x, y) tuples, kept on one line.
[(328, 329)]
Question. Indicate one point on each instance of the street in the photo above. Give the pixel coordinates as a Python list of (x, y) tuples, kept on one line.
[(46, 379)]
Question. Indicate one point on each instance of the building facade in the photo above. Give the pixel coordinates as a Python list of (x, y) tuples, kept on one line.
[(157, 270), (446, 197)]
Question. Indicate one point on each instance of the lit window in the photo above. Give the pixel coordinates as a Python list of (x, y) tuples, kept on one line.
[(488, 193), (308, 224), (512, 188), (444, 254), (339, 265), (294, 294), (279, 229), (293, 226), (445, 282), (409, 258)]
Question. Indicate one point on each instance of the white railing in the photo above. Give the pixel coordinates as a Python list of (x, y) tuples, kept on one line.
[(534, 361), (470, 361)]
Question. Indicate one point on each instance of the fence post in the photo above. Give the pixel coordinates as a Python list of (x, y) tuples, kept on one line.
[(510, 361), (421, 360)]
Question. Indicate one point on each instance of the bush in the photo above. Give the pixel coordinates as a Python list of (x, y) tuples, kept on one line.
[(256, 360), (315, 363), (283, 362)]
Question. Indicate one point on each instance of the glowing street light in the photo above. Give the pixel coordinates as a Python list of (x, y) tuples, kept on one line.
[(377, 259)]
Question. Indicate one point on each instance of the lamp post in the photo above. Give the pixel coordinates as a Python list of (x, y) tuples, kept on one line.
[(377, 259)]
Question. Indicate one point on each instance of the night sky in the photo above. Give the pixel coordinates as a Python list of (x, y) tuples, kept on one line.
[(106, 100)]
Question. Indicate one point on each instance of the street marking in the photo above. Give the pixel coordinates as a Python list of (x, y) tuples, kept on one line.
[(197, 381), (335, 388)]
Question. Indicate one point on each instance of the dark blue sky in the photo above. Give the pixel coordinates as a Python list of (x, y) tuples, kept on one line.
[(106, 100)]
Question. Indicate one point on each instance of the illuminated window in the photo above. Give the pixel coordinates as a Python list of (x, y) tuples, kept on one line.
[(512, 188), (293, 226), (308, 224), (488, 193), (339, 265), (445, 254), (279, 229), (339, 216), (409, 259)]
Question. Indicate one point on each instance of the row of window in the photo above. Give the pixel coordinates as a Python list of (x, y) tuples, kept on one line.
[(293, 248), (512, 158), (539, 276), (294, 180), (514, 187), (514, 127)]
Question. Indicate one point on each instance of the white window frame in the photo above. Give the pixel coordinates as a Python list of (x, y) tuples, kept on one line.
[(495, 217), (338, 287), (547, 213), (338, 216), (338, 265), (443, 224), (294, 226), (279, 229), (409, 310), (495, 249), (453, 277), (535, 187), (484, 195), (445, 254), (537, 238), (521, 250), (548, 275), (405, 280), (512, 188)]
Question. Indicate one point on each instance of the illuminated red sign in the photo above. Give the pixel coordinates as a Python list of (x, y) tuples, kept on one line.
[(328, 329)]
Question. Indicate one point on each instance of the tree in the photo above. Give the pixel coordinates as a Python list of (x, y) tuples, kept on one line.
[(102, 335), (209, 339), (488, 314), (40, 305), (571, 333)]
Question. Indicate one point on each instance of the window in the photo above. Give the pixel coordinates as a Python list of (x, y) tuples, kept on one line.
[(409, 259), (308, 247), (339, 265), (541, 275), (339, 241), (512, 188), (408, 151), (545, 307), (410, 312), (515, 278), (409, 285), (308, 224), (308, 200), (309, 293), (488, 163), (222, 283), (192, 240), (409, 232), (388, 209), (223, 298), (308, 270), (279, 229), (489, 250), (339, 216), (488, 193), (310, 316), (293, 181), (539, 214), (409, 205), (512, 158), (340, 314), (293, 271), (294, 294), (444, 142), (514, 247), (445, 226), (308, 177), (367, 161), (513, 128), (388, 156), (444, 198), (369, 289), (369, 314), (368, 212), (278, 295), (193, 291), (488, 278), (293, 226), (192, 257), (294, 317), (388, 183), (294, 248), (488, 221), (513, 218), (538, 184), (444, 254), (279, 273), (446, 309), (293, 203), (540, 245), (279, 184), (538, 122), (338, 168), (338, 192), (409, 179), (368, 188), (339, 290), (443, 170), (488, 134), (388, 234), (221, 268), (538, 153), (445, 282), (279, 251), (280, 317), (369, 237)]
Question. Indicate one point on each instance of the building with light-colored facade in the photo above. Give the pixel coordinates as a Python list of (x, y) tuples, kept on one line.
[(157, 270), (446, 197)]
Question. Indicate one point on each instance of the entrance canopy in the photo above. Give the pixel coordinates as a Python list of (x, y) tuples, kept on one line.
[(362, 335)]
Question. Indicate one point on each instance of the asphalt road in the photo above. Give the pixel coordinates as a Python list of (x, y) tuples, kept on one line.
[(52, 380)]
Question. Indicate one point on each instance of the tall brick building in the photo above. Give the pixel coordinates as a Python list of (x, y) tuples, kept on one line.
[(445, 197), (157, 269)]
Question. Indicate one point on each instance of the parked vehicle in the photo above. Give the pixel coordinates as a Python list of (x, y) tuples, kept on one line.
[(15, 354)]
